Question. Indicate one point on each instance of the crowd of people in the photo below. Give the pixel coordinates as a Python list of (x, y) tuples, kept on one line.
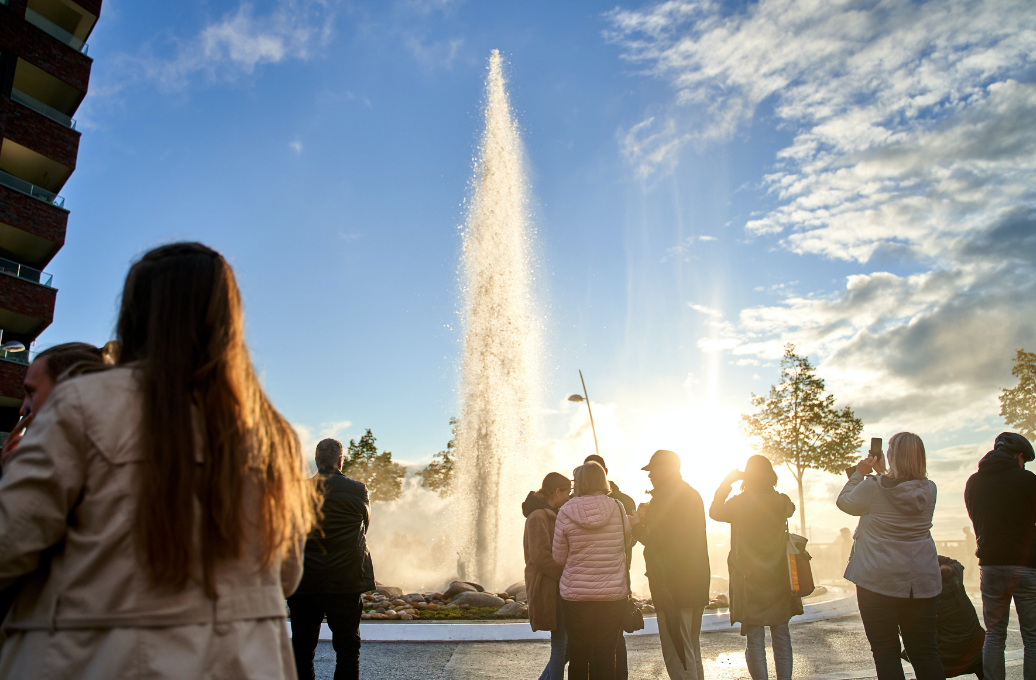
[(155, 518)]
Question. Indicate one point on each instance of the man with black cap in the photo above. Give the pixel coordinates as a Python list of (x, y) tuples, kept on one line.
[(1001, 500), (672, 529)]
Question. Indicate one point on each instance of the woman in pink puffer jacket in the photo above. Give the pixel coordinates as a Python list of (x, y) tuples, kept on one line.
[(590, 540)]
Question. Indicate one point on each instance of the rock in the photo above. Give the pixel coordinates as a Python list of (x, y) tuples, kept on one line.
[(512, 609), (398, 602), (433, 607), (390, 591), (436, 596), (508, 601), (452, 606), (458, 587), (378, 616), (406, 617), (477, 600), (415, 597), (502, 596), (420, 605), (516, 591), (392, 615), (365, 615)]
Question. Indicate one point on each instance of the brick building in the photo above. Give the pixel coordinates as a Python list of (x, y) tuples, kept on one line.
[(44, 73)]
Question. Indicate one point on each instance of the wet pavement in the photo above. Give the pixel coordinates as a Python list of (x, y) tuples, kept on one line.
[(824, 650)]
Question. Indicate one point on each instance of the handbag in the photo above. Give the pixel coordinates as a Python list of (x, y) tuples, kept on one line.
[(800, 574), (632, 618)]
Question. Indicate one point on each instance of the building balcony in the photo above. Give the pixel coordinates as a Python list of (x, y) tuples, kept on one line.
[(29, 189), (39, 107), (12, 377), (31, 231), (26, 307), (53, 30), (12, 268)]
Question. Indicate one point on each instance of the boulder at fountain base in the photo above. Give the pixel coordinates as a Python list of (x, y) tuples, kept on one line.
[(473, 599), (513, 609), (390, 591), (516, 591), (458, 587)]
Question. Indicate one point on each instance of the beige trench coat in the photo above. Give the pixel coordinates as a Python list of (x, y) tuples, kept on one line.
[(86, 608), (542, 573)]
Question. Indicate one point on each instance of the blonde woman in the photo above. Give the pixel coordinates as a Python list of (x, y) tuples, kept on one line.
[(894, 563), (590, 540)]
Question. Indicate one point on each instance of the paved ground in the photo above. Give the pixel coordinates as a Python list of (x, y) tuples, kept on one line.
[(824, 650)]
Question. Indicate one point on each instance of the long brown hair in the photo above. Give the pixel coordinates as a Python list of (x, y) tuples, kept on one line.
[(181, 322)]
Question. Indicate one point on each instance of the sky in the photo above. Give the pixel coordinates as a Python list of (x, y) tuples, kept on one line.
[(710, 181)]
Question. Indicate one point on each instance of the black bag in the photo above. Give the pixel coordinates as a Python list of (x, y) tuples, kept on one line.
[(632, 618)]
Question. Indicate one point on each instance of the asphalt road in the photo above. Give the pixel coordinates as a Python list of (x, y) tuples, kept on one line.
[(824, 650)]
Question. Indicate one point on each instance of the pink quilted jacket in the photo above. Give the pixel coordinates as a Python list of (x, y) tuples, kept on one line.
[(588, 543)]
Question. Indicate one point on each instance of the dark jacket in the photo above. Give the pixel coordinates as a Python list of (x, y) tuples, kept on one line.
[(627, 502), (337, 560), (542, 573), (960, 635), (675, 548), (760, 590), (1001, 501)]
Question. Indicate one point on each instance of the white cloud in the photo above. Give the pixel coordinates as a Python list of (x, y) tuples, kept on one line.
[(912, 139), (296, 146), (708, 311), (242, 40)]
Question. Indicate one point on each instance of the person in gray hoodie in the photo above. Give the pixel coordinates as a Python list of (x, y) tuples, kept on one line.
[(894, 562)]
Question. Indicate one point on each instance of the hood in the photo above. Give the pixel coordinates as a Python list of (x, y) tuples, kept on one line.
[(998, 460), (590, 512), (1014, 444), (534, 502), (910, 497)]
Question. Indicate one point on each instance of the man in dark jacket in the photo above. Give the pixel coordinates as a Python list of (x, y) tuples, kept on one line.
[(621, 658), (337, 570), (1001, 500), (672, 529)]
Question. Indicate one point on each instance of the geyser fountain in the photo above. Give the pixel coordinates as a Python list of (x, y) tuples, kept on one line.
[(496, 460)]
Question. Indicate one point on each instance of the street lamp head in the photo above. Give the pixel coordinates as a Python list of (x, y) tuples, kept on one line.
[(576, 397), (13, 346)]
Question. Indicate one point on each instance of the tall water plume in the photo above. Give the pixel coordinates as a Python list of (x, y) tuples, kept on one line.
[(495, 460)]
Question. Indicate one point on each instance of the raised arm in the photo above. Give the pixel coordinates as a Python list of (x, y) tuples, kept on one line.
[(718, 510), (41, 485), (855, 499)]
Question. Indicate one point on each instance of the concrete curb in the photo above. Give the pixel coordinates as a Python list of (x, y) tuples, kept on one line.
[(841, 602)]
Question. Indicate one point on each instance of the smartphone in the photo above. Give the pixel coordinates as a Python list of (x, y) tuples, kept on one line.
[(876, 449)]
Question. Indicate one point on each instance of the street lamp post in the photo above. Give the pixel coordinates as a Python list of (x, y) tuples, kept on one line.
[(586, 397)]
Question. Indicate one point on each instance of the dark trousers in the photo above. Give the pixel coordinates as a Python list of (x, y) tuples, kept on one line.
[(622, 671), (885, 618), (593, 631), (343, 618)]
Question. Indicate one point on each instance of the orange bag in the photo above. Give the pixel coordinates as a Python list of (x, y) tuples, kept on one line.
[(799, 571)]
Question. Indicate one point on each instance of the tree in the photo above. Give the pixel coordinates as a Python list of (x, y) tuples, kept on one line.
[(439, 473), (799, 426), (384, 479), (1018, 404)]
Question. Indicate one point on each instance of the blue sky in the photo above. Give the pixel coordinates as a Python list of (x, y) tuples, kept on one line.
[(710, 181)]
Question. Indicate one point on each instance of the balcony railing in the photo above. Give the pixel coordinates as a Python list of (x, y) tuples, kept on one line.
[(19, 184), (47, 26), (17, 357), (40, 107), (25, 272)]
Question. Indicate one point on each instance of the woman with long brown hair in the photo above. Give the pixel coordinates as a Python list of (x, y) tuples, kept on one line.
[(158, 508)]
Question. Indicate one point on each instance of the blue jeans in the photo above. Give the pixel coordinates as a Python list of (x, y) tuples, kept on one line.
[(555, 669), (1001, 584), (755, 651)]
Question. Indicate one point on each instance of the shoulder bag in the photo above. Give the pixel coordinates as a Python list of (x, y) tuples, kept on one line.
[(800, 574), (632, 618)]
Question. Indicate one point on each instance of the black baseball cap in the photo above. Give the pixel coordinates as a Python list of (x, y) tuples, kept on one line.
[(663, 460)]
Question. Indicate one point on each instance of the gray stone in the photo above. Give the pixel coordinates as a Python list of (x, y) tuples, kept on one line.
[(458, 587), (473, 599), (390, 591), (517, 591), (513, 609)]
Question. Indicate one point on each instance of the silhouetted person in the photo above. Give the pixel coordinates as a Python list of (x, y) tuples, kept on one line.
[(338, 570), (960, 635), (621, 661), (760, 586), (1001, 500), (676, 550), (542, 573)]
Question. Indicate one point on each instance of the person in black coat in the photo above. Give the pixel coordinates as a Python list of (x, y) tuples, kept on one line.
[(337, 570), (760, 588), (676, 550), (1001, 501)]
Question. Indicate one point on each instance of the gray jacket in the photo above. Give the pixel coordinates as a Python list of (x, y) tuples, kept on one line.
[(893, 553)]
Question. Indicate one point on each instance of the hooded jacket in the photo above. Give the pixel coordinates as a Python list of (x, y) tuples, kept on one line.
[(893, 553), (589, 543), (542, 573), (1001, 501)]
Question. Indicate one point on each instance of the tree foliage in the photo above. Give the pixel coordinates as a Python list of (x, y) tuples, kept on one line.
[(384, 479), (438, 475), (1018, 404), (798, 425)]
